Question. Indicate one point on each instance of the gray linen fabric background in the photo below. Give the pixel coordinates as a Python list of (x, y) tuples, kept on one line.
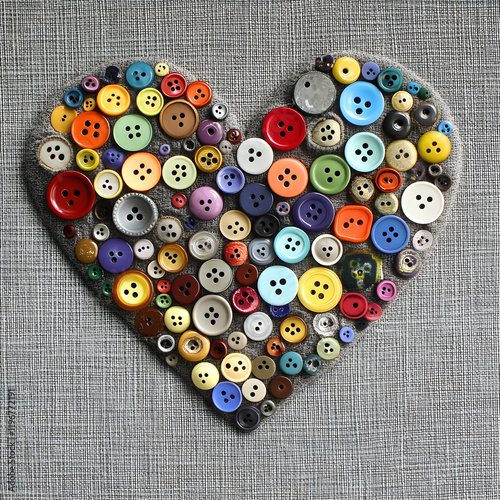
[(410, 413)]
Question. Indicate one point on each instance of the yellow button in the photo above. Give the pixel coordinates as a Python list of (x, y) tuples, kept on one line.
[(236, 367), (108, 184), (172, 258), (208, 159), (235, 225), (162, 69), (205, 376), (346, 70), (193, 346), (89, 104), (177, 319), (328, 348), (320, 289), (149, 101), (402, 101), (293, 329), (113, 100), (133, 290), (434, 147), (141, 171), (61, 119), (401, 155), (87, 159)]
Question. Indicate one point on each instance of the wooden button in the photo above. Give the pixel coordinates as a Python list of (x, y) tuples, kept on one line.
[(149, 322), (281, 387), (179, 119), (275, 347), (86, 251)]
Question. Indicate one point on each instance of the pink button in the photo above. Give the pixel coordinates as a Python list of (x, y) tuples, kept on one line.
[(374, 312), (205, 203), (386, 290)]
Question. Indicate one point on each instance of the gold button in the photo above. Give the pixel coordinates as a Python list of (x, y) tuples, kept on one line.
[(293, 329), (401, 155), (62, 117), (193, 346), (172, 258), (86, 251)]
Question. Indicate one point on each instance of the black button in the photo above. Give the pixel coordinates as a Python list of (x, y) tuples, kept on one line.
[(266, 226), (397, 125), (112, 75), (435, 170), (361, 323), (103, 210), (443, 182), (425, 115), (417, 173), (247, 418)]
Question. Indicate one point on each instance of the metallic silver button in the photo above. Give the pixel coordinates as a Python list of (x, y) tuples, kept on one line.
[(135, 214), (314, 93)]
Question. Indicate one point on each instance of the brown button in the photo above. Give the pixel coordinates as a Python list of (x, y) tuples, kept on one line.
[(275, 347), (179, 119), (86, 251), (281, 387), (149, 322), (218, 349), (69, 231), (247, 274), (103, 210), (234, 136), (185, 289)]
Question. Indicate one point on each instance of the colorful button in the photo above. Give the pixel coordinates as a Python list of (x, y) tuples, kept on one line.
[(141, 171), (236, 367), (163, 300), (169, 229), (73, 98), (374, 312), (390, 80), (327, 133), (149, 322), (177, 319), (235, 253), (87, 159), (179, 172), (86, 251), (313, 212), (370, 71), (174, 85), (292, 245), (135, 214), (230, 180), (361, 103), (208, 159), (172, 258), (390, 234), (212, 315), (360, 269), (326, 250), (116, 255), (314, 93), (388, 180), (291, 363), (237, 341), (281, 387), (245, 300), (277, 285), (284, 128), (401, 155), (320, 289), (256, 199), (149, 102), (353, 305), (312, 364), (133, 132), (54, 153), (218, 349), (89, 104), (258, 326), (330, 174), (386, 290), (90, 130), (113, 159), (364, 152), (287, 177), (193, 346), (139, 75), (402, 101), (328, 348), (445, 128), (215, 275), (422, 202), (132, 290), (433, 147), (247, 274), (205, 376), (210, 132), (62, 117), (179, 200), (227, 397), (108, 184), (179, 119), (91, 84), (353, 223), (255, 156), (234, 136), (293, 329), (413, 88), (113, 100), (186, 289), (346, 70), (408, 263), (203, 245), (275, 347), (422, 240), (205, 203)]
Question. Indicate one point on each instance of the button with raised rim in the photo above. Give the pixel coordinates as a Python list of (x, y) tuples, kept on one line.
[(258, 326), (169, 229), (320, 289), (280, 387), (135, 214), (193, 346), (312, 364), (402, 101), (390, 234), (179, 200), (90, 130), (314, 93), (326, 250), (390, 80), (108, 184), (208, 158), (149, 102), (386, 290), (132, 290), (284, 128), (261, 252), (219, 111), (101, 232), (172, 258), (218, 349), (325, 324), (346, 70), (422, 202), (408, 263), (185, 289), (328, 348), (236, 367), (397, 124), (54, 153), (277, 285), (292, 245), (388, 180), (230, 180), (215, 275), (255, 156), (154, 270), (227, 397), (212, 315), (313, 212), (353, 305), (203, 245), (113, 100), (115, 255), (179, 119), (174, 85), (361, 103), (374, 312), (329, 174), (293, 329), (353, 223), (364, 152)]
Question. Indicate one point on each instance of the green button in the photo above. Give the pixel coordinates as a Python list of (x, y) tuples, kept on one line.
[(107, 288), (132, 132), (329, 174), (164, 300), (179, 172), (96, 272)]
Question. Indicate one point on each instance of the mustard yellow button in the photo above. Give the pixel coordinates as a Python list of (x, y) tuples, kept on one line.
[(87, 159), (177, 319), (113, 100), (149, 101), (86, 250), (89, 104), (346, 70), (434, 147), (328, 348), (402, 101), (133, 290), (208, 158), (193, 346), (172, 258), (235, 225), (61, 119), (162, 69), (205, 376), (293, 329), (320, 289), (236, 367), (401, 155), (141, 171)]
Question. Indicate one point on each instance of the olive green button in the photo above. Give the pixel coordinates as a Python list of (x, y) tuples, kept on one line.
[(179, 172), (263, 367), (329, 174), (132, 132)]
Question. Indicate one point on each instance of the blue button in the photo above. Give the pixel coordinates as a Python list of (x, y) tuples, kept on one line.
[(230, 180), (227, 396), (390, 234), (370, 71), (73, 98), (346, 334), (312, 364), (256, 199), (291, 363), (112, 75), (361, 103), (190, 222), (390, 80), (140, 75), (413, 88), (278, 285), (445, 128), (115, 255), (113, 158), (364, 152), (313, 212), (279, 311), (291, 245)]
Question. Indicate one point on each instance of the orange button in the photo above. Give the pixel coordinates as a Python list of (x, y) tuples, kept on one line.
[(179, 119), (353, 223), (90, 130), (388, 180), (199, 94), (287, 177), (141, 171)]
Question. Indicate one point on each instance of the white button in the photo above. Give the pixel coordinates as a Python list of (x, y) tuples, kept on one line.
[(258, 326), (169, 229), (255, 156), (212, 315), (225, 147), (422, 202), (144, 249), (422, 240), (326, 324), (155, 271), (203, 245), (54, 153), (165, 343), (237, 341), (172, 359), (326, 250), (215, 275), (101, 232), (108, 184), (254, 390)]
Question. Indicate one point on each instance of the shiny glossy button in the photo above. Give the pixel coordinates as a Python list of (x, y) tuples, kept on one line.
[(90, 130), (346, 70), (172, 258), (254, 391), (210, 132), (425, 115), (230, 180), (256, 199), (328, 348), (179, 172), (132, 290), (291, 363), (179, 119), (361, 103), (326, 250), (91, 84), (434, 147), (320, 289), (422, 240), (154, 270), (218, 349), (388, 180), (199, 94), (314, 93), (54, 153), (245, 300), (87, 159), (113, 100), (149, 322), (236, 367), (149, 102), (86, 251), (390, 80), (364, 151), (215, 275), (185, 289), (115, 255), (203, 245), (205, 376), (261, 252), (287, 177), (141, 171), (133, 133), (255, 156), (179, 200), (139, 75), (208, 158), (61, 118), (258, 326), (401, 155), (390, 234), (275, 347), (353, 223), (313, 212), (177, 319), (169, 229), (193, 346), (135, 214), (353, 305), (227, 397), (284, 128), (280, 387), (205, 203), (292, 245), (277, 285), (163, 300), (422, 202), (174, 85), (293, 329), (162, 69), (108, 184), (101, 232), (247, 274), (263, 367), (212, 315), (220, 111), (89, 104), (329, 174), (143, 249), (374, 312), (386, 290), (397, 125)]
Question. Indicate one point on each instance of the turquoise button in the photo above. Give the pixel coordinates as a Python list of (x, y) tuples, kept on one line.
[(291, 245), (390, 80), (140, 75), (132, 132), (278, 285), (361, 103), (413, 88), (364, 152), (291, 363), (312, 364)]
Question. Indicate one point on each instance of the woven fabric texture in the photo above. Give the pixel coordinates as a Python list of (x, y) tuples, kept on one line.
[(410, 412)]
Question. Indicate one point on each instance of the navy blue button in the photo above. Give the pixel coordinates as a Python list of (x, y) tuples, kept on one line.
[(291, 363), (247, 418), (113, 158), (266, 225), (312, 364), (256, 199), (390, 234), (370, 71), (73, 98), (115, 255), (140, 75), (227, 396), (313, 212), (413, 88), (190, 222), (361, 103), (390, 80), (280, 311), (230, 180), (346, 334), (112, 75)]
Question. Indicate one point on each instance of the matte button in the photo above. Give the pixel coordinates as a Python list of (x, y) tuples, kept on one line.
[(408, 263), (115, 255), (230, 180), (235, 253), (280, 387), (263, 367), (374, 312), (284, 128), (112, 74), (425, 115), (346, 70), (312, 364), (326, 250), (108, 184), (237, 341), (390, 234), (402, 101), (215, 275), (139, 75), (113, 100), (386, 290), (179, 172), (199, 94), (328, 348), (113, 159), (174, 85), (193, 346), (353, 305), (69, 231), (277, 285), (423, 94), (218, 349), (314, 93), (205, 203), (212, 315), (275, 347), (254, 391), (360, 269), (135, 214), (346, 335), (329, 174), (291, 363), (86, 251), (388, 180), (149, 102), (143, 249), (313, 212), (162, 69), (370, 71), (236, 367), (364, 152), (205, 376), (90, 130), (433, 147), (390, 80), (245, 300), (103, 210), (266, 225), (362, 190), (177, 319), (361, 103), (293, 329), (401, 155), (247, 274), (434, 170), (386, 204), (287, 177), (255, 156), (422, 240), (54, 153), (208, 159), (256, 199), (154, 270), (422, 202), (101, 232), (210, 132), (279, 311), (292, 245), (327, 133), (320, 289), (62, 117), (132, 289), (397, 125), (325, 324), (353, 223), (149, 322), (185, 289), (169, 229), (141, 172), (132, 132), (227, 397), (258, 326), (203, 245), (179, 119)]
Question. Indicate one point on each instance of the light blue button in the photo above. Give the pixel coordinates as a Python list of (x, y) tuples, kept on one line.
[(291, 245), (413, 88), (291, 363), (312, 364), (140, 75), (364, 152), (361, 103), (390, 234), (278, 285), (346, 334), (445, 128)]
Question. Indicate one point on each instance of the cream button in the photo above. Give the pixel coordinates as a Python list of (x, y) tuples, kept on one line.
[(254, 390), (212, 315), (235, 225)]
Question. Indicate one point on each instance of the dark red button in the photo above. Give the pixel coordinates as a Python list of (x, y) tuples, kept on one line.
[(280, 387), (353, 305), (234, 136), (374, 312), (284, 128), (235, 253), (69, 231), (218, 349), (173, 85), (70, 195), (185, 289), (149, 322), (163, 286), (179, 200), (245, 300), (103, 210), (247, 274)]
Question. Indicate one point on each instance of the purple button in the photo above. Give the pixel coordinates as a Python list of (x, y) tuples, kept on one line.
[(205, 203), (280, 311), (313, 212), (256, 199), (386, 290), (370, 71), (210, 132), (230, 180), (91, 84), (115, 255), (113, 159)]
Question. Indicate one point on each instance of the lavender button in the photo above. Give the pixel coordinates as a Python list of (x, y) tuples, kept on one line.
[(205, 203), (210, 132)]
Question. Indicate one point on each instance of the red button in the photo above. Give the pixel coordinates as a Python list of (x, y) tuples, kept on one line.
[(235, 253), (247, 274), (245, 300), (353, 305), (374, 312), (388, 180), (284, 128), (173, 85), (70, 195), (90, 130), (179, 200), (218, 349), (163, 286), (185, 289)]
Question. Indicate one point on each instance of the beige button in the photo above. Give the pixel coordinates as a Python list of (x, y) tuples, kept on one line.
[(362, 190), (179, 119), (401, 155), (235, 225), (177, 319), (169, 229), (55, 153), (236, 367), (386, 203), (172, 258), (402, 101), (237, 341), (263, 367), (162, 69), (326, 133), (205, 376), (86, 250), (254, 390)]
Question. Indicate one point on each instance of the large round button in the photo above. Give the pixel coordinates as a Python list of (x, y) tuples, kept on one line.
[(212, 315), (277, 285), (353, 223), (236, 367), (260, 251), (61, 119), (263, 367), (293, 329), (255, 156), (284, 128), (326, 250), (54, 153), (108, 184), (132, 290), (185, 289), (287, 177), (90, 130), (330, 174), (422, 202), (320, 289), (258, 326), (433, 147), (115, 255), (346, 70), (235, 225), (203, 245), (361, 103), (179, 119), (390, 234), (132, 132), (292, 245), (172, 258), (313, 212), (193, 346), (205, 376), (135, 214), (256, 199), (314, 93), (141, 172), (113, 100), (179, 172), (215, 275), (281, 387), (149, 322), (227, 397), (364, 152), (401, 155)]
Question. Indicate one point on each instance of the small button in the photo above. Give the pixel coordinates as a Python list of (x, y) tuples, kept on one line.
[(172, 258), (133, 133), (422, 240), (353, 305), (143, 249), (266, 225), (149, 102), (326, 250), (320, 289), (277, 285), (390, 234), (205, 203), (237, 341), (425, 115), (163, 286), (113, 159), (113, 100), (149, 322), (254, 391), (402, 101), (208, 159), (362, 190), (283, 208), (413, 88), (203, 245), (292, 245), (279, 311), (179, 200), (90, 130), (423, 94), (230, 180), (328, 348), (169, 229), (179, 172), (434, 170), (199, 94), (234, 136), (69, 231), (205, 376), (327, 133), (179, 119), (408, 263), (212, 315), (325, 324), (108, 184), (186, 289), (361, 103), (103, 210), (390, 80), (87, 159), (445, 128), (374, 312), (422, 202), (189, 144), (86, 251), (215, 275), (139, 75), (218, 349), (162, 69), (172, 359), (115, 255), (370, 71), (293, 329), (418, 172), (164, 149), (364, 152), (245, 300), (62, 117), (95, 272), (177, 319), (313, 212), (388, 180), (210, 132), (401, 155), (346, 70), (101, 232), (386, 290), (329, 174), (360, 269), (433, 147), (247, 274), (261, 252), (193, 346), (91, 84), (312, 364), (256, 199), (275, 347), (254, 156), (346, 335), (89, 104), (54, 153), (235, 253), (219, 111), (314, 93), (386, 203), (132, 289), (291, 363), (287, 177), (73, 98), (280, 387), (443, 182), (235, 225), (164, 301), (324, 64), (227, 397), (174, 85), (263, 367), (258, 326), (112, 74), (107, 288), (135, 214), (353, 223), (397, 125), (284, 128), (236, 367)]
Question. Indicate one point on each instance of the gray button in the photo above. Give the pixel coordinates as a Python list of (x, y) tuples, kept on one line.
[(267, 408), (263, 367), (215, 275), (425, 115), (166, 343), (258, 326), (169, 229), (212, 315), (135, 214), (219, 111), (261, 251), (326, 324), (237, 341), (314, 93), (422, 240), (100, 232), (203, 245)]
